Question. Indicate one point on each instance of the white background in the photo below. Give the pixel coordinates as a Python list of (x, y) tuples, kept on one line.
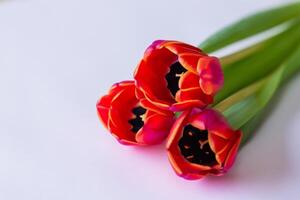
[(58, 56)]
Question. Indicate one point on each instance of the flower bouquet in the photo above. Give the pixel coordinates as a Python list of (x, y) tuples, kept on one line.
[(205, 107)]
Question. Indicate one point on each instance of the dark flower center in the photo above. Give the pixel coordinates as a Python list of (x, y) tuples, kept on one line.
[(195, 148), (137, 122), (173, 76)]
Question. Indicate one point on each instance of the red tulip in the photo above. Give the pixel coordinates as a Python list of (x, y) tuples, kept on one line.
[(200, 143), (176, 76), (130, 120)]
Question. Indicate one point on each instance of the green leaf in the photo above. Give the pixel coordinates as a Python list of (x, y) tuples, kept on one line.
[(254, 66), (243, 108), (250, 26)]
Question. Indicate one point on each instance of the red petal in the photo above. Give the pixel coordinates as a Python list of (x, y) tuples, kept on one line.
[(175, 165), (181, 106), (123, 136), (233, 152), (216, 143), (121, 106), (214, 122), (102, 113), (120, 113), (227, 156), (176, 128), (188, 80), (211, 74), (186, 169), (156, 128), (193, 176), (139, 94), (150, 75), (104, 102), (190, 61), (147, 104), (188, 98), (157, 102), (193, 94), (155, 45), (179, 47)]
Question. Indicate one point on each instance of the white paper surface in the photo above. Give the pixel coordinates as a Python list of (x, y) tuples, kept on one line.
[(57, 57)]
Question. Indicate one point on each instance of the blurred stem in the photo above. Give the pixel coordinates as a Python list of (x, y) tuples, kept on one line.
[(250, 26), (292, 67), (249, 128), (253, 75), (232, 58), (261, 61), (244, 109)]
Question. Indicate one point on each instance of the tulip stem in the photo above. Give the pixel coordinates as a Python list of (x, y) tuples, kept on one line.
[(254, 74), (245, 108), (250, 26), (258, 64)]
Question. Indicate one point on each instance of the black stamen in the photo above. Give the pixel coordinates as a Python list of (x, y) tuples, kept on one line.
[(195, 148), (173, 76), (138, 110), (137, 122)]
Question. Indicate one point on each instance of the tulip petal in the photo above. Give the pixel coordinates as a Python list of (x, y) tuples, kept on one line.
[(185, 169), (192, 97), (232, 153), (123, 136), (102, 112), (174, 164), (188, 80), (217, 143), (176, 107), (190, 61), (179, 47), (211, 75), (159, 103), (176, 128), (121, 107), (189, 176), (150, 74), (195, 93), (214, 122), (139, 94), (103, 103), (150, 106), (152, 47), (156, 129)]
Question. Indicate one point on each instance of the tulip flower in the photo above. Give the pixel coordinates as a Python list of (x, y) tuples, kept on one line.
[(177, 76), (201, 142), (215, 117), (130, 120)]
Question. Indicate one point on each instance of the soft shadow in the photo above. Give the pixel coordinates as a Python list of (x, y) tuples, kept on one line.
[(156, 153)]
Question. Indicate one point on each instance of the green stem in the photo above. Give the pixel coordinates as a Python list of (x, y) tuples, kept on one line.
[(237, 56), (245, 108), (250, 26), (259, 64), (250, 76)]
